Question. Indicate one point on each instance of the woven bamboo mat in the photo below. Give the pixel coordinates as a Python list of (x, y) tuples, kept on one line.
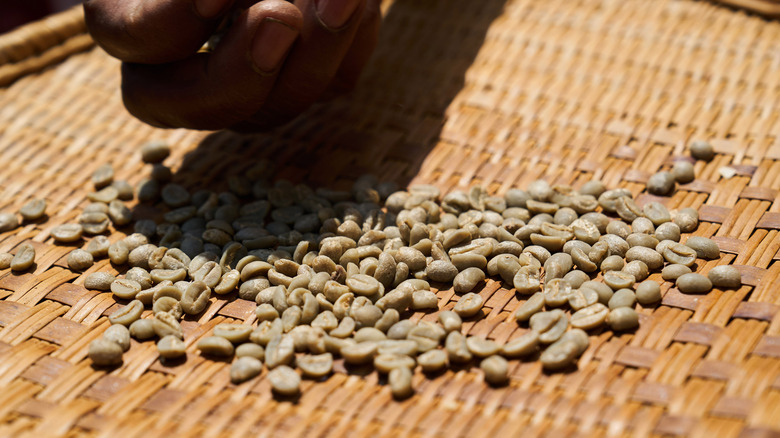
[(459, 92)]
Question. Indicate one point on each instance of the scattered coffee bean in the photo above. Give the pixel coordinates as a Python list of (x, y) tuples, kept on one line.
[(702, 150), (725, 277), (693, 283), (24, 258), (105, 353), (33, 209)]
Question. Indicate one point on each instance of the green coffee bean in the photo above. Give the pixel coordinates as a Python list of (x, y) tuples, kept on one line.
[(656, 213), (284, 381), (235, 333), (365, 315), (496, 370), (612, 263), (693, 283), (128, 314), (124, 190), (590, 317), (702, 150), (674, 271), (457, 348), (245, 368), (468, 279), (363, 285), (8, 222), (556, 292), (661, 183), (582, 260), (559, 355), (638, 269), (94, 223), (543, 322), (648, 256), (155, 152), (360, 353), (250, 349), (441, 271), (215, 346), (639, 239), (395, 346), (119, 334), (622, 298), (98, 247), (533, 305), (5, 260), (424, 299), (627, 209), (683, 171), (315, 366), (265, 331), (80, 260), (118, 252), (705, 248), (33, 210), (165, 324), (400, 381), (367, 334), (99, 281), (142, 329), (388, 319), (399, 330), (668, 231), (384, 363), (279, 351), (67, 233), (468, 305), (687, 219), (481, 347), (603, 291), (469, 260), (648, 292), (105, 353), (643, 225), (24, 258), (450, 320), (433, 361), (593, 188), (576, 278), (623, 318), (557, 266), (725, 277), (427, 335), (523, 346), (291, 317), (677, 253), (619, 280), (582, 298)]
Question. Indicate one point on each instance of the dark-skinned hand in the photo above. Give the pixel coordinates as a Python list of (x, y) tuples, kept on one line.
[(274, 61)]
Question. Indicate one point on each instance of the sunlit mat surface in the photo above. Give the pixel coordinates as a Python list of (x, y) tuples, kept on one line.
[(459, 92)]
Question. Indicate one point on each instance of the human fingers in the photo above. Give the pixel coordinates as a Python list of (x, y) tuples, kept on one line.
[(329, 28), (360, 51), (218, 89), (153, 31)]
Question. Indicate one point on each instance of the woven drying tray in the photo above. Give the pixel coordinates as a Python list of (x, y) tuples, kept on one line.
[(770, 8), (459, 92)]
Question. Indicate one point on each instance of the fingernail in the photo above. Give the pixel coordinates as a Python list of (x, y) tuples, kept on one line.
[(335, 13), (271, 43), (209, 8)]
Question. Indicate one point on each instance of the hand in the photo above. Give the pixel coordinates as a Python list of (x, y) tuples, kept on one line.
[(273, 62)]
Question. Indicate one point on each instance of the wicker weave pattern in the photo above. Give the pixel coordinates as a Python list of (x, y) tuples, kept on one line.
[(459, 92)]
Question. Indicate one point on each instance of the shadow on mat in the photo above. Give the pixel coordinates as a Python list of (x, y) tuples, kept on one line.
[(386, 126)]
